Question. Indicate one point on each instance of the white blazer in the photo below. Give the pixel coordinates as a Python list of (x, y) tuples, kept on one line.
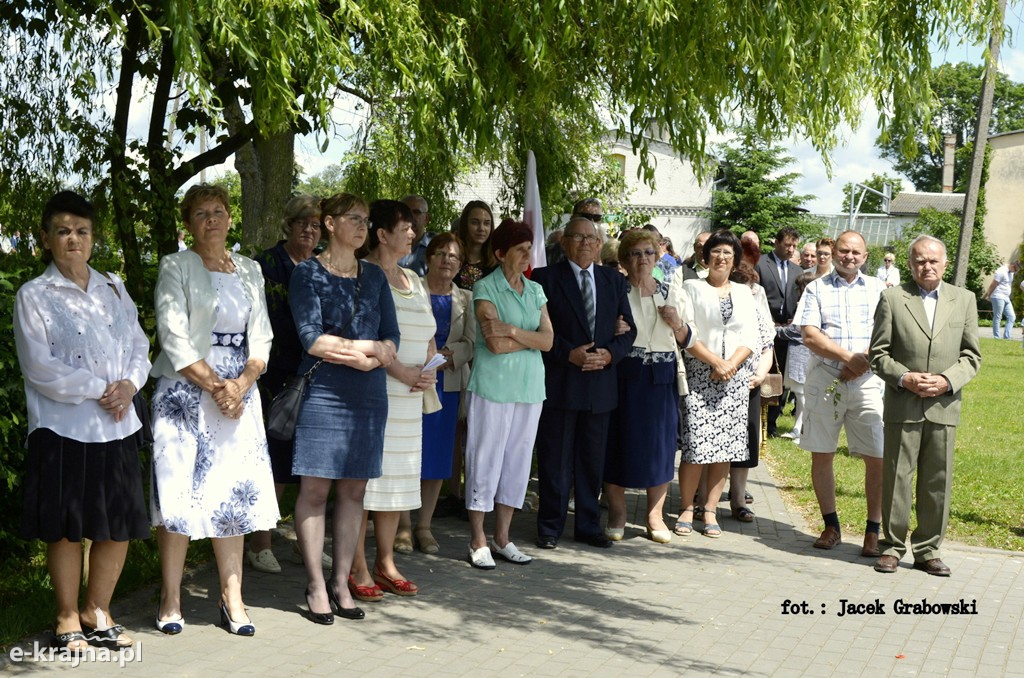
[(185, 311), (741, 330)]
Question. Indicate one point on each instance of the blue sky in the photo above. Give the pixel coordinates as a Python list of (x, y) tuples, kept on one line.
[(857, 158)]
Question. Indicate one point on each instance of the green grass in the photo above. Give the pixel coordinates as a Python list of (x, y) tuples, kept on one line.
[(988, 478)]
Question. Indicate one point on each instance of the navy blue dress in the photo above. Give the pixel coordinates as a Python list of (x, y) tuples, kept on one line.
[(340, 430)]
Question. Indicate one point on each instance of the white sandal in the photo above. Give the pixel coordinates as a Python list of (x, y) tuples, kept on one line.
[(481, 558)]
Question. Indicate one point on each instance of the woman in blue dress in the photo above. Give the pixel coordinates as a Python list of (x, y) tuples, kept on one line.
[(642, 434), (345, 317)]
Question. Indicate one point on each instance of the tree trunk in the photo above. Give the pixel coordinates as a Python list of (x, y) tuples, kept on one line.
[(266, 167)]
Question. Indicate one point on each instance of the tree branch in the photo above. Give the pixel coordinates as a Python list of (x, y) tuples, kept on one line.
[(214, 156)]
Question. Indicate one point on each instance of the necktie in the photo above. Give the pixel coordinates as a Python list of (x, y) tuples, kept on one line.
[(588, 299)]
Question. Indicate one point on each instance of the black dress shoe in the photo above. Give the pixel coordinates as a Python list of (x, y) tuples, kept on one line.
[(547, 543), (596, 540), (934, 567)]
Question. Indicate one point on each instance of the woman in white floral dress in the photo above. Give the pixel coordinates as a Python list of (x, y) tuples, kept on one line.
[(211, 468)]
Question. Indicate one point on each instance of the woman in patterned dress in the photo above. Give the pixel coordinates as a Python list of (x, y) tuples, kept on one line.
[(718, 376), (211, 469), (398, 487)]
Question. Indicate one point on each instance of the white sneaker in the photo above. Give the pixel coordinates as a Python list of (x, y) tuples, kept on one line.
[(481, 558), (264, 561), (511, 553)]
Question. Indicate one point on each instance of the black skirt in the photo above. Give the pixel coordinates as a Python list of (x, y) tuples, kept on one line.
[(75, 490)]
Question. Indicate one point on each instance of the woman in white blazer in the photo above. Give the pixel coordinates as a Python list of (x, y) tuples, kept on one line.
[(211, 469), (718, 375)]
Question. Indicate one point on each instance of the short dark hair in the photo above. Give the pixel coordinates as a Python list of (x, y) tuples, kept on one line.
[(585, 202), (509, 234), (787, 232), (385, 214), (723, 237), (64, 202), (443, 240), (67, 202)]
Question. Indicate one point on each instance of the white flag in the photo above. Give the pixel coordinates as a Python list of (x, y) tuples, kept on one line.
[(532, 213)]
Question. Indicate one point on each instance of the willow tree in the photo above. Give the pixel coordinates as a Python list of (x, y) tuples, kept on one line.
[(466, 78)]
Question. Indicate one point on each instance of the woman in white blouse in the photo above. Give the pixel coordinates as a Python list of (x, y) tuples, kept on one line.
[(83, 357)]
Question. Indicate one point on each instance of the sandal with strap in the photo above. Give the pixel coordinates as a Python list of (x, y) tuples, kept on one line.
[(743, 514), (112, 637), (712, 530), (400, 587), (684, 528), (367, 594), (63, 641)]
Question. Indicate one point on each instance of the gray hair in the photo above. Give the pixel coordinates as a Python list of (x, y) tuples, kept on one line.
[(301, 206), (924, 237)]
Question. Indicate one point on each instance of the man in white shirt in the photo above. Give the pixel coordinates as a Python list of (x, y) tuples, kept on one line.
[(840, 389), (887, 272)]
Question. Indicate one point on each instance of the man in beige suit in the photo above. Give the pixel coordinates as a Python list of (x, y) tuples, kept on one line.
[(925, 347)]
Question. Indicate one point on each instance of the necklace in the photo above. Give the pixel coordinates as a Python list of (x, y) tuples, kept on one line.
[(326, 259)]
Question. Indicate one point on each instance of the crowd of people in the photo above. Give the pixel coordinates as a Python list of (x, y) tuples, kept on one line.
[(434, 357)]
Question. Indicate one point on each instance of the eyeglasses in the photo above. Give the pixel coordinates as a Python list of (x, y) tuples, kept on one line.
[(447, 256), (307, 225), (357, 219), (596, 218), (723, 254), (580, 238), (889, 261), (636, 254)]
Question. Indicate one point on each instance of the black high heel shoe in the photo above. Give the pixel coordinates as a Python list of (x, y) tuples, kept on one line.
[(324, 618), (246, 629), (344, 612)]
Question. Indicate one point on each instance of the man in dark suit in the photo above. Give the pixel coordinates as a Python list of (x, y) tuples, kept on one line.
[(778, 278), (925, 347), (585, 303)]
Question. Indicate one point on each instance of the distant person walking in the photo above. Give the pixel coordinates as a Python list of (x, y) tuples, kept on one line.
[(999, 294)]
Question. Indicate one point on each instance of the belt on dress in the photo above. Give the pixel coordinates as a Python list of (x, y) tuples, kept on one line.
[(235, 339)]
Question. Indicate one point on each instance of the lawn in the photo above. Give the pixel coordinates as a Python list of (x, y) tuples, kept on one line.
[(988, 478)]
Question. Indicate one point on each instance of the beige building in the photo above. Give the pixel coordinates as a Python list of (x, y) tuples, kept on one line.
[(1004, 219)]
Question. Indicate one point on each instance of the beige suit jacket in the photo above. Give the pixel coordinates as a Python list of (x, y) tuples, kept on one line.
[(461, 339), (903, 342)]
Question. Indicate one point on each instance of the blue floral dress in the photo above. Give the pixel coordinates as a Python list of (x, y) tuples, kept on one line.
[(211, 474)]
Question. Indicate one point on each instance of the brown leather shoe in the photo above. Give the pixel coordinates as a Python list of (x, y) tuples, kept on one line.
[(870, 548), (829, 538), (887, 564), (934, 567)]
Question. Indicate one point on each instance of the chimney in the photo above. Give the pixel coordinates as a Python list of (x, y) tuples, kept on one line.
[(949, 151)]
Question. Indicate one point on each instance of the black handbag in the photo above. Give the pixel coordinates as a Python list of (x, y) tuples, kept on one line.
[(286, 405)]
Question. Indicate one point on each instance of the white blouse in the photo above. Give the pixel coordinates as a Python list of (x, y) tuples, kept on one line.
[(71, 344)]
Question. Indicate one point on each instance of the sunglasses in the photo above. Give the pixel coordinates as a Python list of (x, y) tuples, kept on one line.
[(596, 218)]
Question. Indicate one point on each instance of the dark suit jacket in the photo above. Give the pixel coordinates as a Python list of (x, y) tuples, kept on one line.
[(782, 301), (902, 341), (569, 387)]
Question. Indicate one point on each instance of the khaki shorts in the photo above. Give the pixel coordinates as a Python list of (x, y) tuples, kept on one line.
[(857, 405)]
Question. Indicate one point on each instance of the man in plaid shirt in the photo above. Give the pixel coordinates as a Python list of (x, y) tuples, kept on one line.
[(836, 322)]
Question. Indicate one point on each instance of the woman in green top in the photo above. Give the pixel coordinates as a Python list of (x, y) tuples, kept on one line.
[(506, 390)]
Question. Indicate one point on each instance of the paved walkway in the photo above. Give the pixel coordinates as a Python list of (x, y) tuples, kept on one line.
[(696, 606)]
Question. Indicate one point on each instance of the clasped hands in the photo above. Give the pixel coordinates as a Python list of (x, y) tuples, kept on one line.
[(117, 398), (590, 360), (925, 384), (383, 355), (856, 366), (229, 394)]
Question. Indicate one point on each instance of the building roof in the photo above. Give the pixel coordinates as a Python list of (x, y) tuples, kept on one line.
[(909, 203)]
